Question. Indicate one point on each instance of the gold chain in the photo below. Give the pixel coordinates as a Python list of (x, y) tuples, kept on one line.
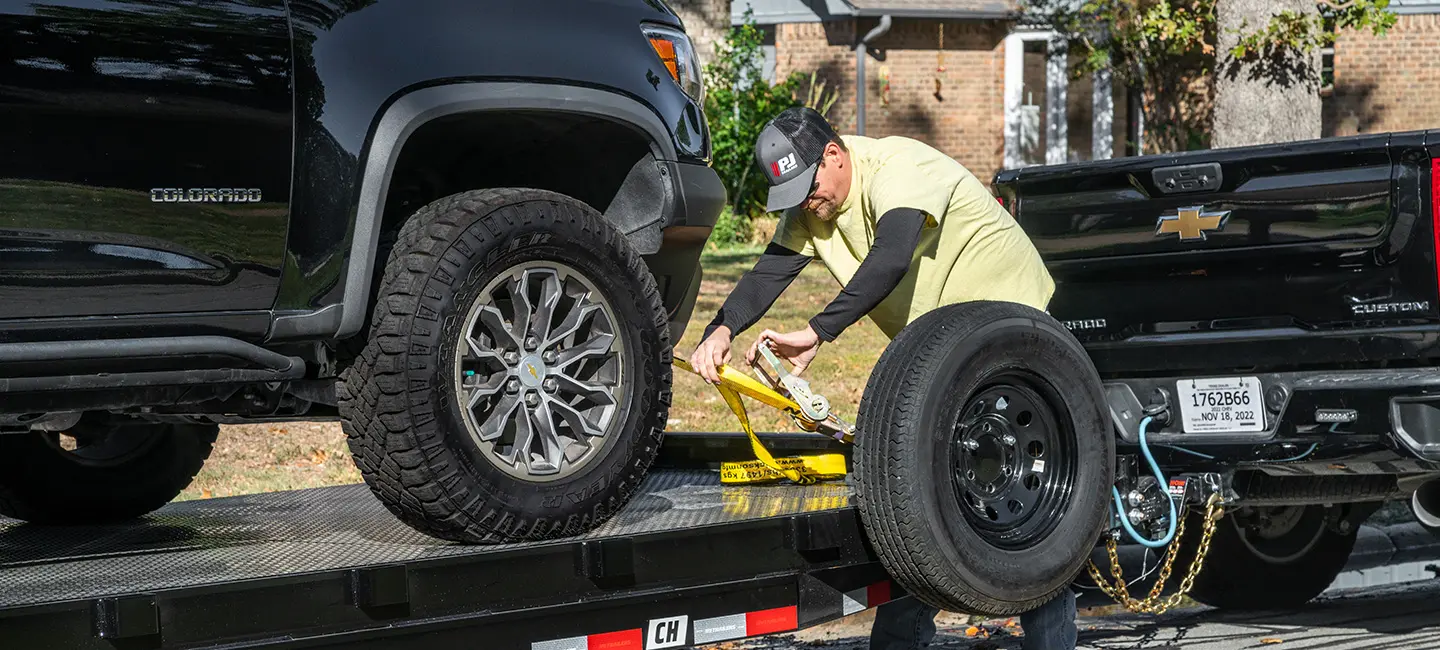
[(1153, 604)]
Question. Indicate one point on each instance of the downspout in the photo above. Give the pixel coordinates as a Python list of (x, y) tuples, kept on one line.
[(860, 88)]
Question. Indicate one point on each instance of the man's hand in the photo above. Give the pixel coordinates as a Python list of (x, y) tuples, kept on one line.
[(712, 353), (798, 348)]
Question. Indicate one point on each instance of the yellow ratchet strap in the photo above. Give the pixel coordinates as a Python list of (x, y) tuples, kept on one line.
[(798, 469)]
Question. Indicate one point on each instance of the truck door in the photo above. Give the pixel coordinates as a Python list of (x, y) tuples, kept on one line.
[(146, 156)]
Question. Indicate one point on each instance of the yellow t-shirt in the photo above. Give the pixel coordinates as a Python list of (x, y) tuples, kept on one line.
[(970, 248)]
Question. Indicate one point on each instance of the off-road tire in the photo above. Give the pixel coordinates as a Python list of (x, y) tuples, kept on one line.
[(1234, 577), (44, 484), (908, 502), (398, 402)]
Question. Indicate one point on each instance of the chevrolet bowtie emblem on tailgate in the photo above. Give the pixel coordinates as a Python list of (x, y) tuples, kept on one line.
[(1191, 223)]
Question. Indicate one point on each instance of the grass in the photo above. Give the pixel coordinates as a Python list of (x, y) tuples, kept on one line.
[(292, 455)]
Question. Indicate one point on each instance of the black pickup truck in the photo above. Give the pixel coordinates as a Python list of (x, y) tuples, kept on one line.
[(468, 230), (1275, 314)]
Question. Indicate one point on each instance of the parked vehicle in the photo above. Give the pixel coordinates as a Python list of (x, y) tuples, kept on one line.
[(1268, 316), (469, 231)]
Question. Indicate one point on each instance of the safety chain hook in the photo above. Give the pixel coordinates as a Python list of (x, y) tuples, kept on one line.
[(1153, 603)]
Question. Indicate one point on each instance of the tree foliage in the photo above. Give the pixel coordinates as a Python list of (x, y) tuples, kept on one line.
[(1167, 49), (738, 103)]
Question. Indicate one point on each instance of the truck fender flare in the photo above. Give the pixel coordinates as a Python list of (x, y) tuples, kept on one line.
[(412, 110)]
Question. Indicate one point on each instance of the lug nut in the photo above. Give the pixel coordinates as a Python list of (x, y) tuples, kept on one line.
[(531, 343), (532, 399), (549, 356), (971, 444), (1009, 440), (550, 384), (512, 357), (512, 386)]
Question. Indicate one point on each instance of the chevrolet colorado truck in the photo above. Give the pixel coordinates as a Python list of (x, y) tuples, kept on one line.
[(470, 231), (1266, 316)]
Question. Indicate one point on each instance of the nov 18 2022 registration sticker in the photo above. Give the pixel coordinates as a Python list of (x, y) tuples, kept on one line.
[(1221, 405)]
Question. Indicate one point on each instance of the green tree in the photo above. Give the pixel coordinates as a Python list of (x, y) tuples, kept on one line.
[(1169, 50), (738, 103)]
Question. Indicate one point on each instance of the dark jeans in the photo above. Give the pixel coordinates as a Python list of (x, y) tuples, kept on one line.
[(908, 624)]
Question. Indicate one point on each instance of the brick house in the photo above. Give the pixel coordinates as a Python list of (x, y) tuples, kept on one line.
[(977, 81)]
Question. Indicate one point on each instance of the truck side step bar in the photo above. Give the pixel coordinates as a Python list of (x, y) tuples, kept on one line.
[(127, 363)]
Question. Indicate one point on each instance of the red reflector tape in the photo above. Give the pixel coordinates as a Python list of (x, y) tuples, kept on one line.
[(622, 640), (739, 626), (769, 621)]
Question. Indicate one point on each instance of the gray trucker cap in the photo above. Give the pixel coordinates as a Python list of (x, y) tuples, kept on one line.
[(789, 150)]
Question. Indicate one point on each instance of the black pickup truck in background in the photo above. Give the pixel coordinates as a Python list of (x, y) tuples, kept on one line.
[(468, 230), (1275, 312)]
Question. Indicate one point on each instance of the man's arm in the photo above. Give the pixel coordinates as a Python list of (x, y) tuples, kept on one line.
[(897, 232), (758, 289)]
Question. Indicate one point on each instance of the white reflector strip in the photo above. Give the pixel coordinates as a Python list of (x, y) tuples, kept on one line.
[(573, 643), (854, 601), (720, 628)]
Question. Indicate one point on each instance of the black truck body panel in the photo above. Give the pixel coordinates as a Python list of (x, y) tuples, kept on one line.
[(1325, 254), (1298, 280), (106, 101)]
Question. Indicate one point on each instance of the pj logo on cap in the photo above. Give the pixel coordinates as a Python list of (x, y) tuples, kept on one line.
[(784, 165)]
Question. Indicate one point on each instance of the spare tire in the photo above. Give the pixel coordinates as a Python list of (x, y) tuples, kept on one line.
[(985, 458)]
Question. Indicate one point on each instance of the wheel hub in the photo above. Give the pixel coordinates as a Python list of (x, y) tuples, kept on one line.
[(532, 372), (539, 370), (1012, 462), (989, 463)]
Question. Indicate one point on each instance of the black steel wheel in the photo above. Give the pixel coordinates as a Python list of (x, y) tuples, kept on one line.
[(985, 458), (1014, 460)]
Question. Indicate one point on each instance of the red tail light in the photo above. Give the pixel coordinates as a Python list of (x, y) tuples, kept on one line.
[(1435, 209)]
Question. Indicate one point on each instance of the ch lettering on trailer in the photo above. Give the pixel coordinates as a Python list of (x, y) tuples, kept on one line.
[(667, 632)]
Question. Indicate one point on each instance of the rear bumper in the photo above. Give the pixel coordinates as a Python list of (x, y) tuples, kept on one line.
[(1401, 407)]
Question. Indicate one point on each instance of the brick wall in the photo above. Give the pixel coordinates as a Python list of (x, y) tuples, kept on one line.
[(1386, 83), (822, 48), (706, 21), (965, 119)]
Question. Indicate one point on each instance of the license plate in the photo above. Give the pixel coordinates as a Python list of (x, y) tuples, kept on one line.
[(1221, 405)]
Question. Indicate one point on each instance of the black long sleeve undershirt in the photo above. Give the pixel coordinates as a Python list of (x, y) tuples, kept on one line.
[(896, 234), (758, 289)]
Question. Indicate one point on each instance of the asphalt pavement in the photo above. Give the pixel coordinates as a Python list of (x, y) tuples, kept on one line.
[(1388, 599)]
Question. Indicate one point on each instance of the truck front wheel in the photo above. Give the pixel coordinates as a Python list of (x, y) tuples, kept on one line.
[(516, 380), (985, 458), (105, 469)]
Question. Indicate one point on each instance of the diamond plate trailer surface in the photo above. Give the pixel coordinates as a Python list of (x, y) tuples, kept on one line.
[(687, 560)]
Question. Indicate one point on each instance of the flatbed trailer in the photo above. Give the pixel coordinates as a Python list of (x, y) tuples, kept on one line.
[(688, 561)]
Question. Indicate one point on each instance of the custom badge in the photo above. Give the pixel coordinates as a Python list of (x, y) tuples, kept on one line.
[(1191, 223)]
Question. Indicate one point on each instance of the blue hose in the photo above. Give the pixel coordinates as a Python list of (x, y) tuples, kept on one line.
[(1120, 505)]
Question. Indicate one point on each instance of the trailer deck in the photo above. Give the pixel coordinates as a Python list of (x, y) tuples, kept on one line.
[(688, 561)]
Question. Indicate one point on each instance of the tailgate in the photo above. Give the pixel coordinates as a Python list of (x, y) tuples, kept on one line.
[(1240, 258)]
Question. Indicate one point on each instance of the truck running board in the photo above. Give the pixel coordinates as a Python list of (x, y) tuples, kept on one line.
[(128, 363)]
